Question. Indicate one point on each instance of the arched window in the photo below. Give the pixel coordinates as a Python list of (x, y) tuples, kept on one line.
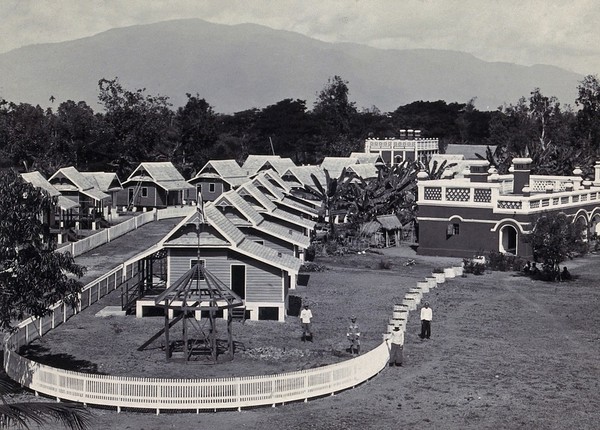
[(508, 240)]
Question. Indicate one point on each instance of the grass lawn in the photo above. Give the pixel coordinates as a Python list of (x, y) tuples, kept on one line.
[(506, 352)]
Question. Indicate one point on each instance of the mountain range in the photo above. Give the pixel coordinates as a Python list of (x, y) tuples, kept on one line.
[(238, 67)]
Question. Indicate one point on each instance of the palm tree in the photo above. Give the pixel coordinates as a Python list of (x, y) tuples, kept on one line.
[(40, 414)]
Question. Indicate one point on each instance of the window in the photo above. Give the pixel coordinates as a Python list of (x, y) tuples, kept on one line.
[(211, 188), (193, 262), (453, 229), (199, 187), (260, 242), (144, 191)]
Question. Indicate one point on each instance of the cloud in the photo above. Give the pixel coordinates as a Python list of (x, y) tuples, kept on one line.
[(527, 32)]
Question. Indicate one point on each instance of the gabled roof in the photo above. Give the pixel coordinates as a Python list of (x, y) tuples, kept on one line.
[(279, 165), (247, 188), (37, 180), (254, 162), (185, 234), (104, 181), (364, 158), (234, 199), (299, 176), (249, 247), (258, 222), (365, 171), (164, 174), (335, 165), (222, 169), (261, 181), (276, 179), (78, 183), (294, 219)]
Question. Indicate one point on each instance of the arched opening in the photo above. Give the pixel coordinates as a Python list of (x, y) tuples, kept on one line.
[(508, 240), (583, 223)]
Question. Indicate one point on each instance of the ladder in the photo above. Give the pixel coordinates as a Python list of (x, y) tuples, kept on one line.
[(136, 191)]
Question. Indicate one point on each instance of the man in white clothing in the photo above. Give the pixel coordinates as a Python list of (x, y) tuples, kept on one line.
[(305, 318), (426, 317)]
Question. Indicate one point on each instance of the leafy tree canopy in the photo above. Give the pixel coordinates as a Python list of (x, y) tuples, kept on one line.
[(32, 275)]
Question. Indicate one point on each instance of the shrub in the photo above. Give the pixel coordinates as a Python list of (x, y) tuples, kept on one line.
[(384, 264), (502, 262), (331, 247), (469, 266), (311, 253), (312, 267)]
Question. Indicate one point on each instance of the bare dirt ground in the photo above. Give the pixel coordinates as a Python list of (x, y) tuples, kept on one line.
[(506, 352)]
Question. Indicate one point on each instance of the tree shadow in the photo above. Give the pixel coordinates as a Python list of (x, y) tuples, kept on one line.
[(42, 355)]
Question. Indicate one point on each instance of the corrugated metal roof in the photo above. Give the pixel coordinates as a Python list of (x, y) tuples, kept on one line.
[(335, 165), (224, 168), (365, 171), (84, 185), (275, 178), (294, 219), (104, 181), (37, 180), (261, 181), (302, 174), (164, 174), (254, 162), (223, 225), (258, 195), (364, 158), (249, 247)]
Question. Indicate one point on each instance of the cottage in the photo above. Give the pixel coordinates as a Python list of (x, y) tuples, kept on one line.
[(62, 213), (258, 274), (485, 212), (107, 182), (154, 185), (258, 163), (92, 203), (217, 177)]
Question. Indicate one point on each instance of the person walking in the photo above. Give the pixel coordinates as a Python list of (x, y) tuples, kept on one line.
[(426, 317), (353, 335), (306, 318), (396, 342)]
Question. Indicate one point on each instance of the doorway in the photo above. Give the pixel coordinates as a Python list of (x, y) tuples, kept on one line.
[(238, 280)]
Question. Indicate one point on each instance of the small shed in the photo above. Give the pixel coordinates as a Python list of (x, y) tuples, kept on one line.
[(383, 231)]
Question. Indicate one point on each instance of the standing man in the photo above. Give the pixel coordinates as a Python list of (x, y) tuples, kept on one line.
[(396, 340), (305, 318), (426, 317), (353, 336)]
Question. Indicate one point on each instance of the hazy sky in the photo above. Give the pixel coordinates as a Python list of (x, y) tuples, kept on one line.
[(561, 33)]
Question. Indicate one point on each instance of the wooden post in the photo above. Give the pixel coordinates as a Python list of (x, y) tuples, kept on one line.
[(185, 336), (229, 335), (167, 345)]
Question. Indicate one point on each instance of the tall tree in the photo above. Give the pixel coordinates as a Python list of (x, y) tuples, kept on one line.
[(140, 124), (334, 111), (589, 116), (196, 123), (33, 277), (554, 238)]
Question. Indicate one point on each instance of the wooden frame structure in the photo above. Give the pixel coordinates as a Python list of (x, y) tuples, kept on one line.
[(196, 291)]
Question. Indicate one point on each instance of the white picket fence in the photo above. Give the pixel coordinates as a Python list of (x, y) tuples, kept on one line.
[(194, 394), (104, 236)]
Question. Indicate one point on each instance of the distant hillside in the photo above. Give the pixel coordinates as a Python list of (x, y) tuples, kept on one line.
[(244, 66)]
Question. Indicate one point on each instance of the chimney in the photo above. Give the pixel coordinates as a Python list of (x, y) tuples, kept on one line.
[(417, 134), (521, 172), (410, 132), (478, 170), (403, 134)]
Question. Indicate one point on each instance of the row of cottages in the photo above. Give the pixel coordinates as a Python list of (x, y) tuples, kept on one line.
[(251, 256), (482, 211), (155, 185)]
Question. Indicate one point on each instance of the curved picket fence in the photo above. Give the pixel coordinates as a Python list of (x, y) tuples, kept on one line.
[(194, 394)]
